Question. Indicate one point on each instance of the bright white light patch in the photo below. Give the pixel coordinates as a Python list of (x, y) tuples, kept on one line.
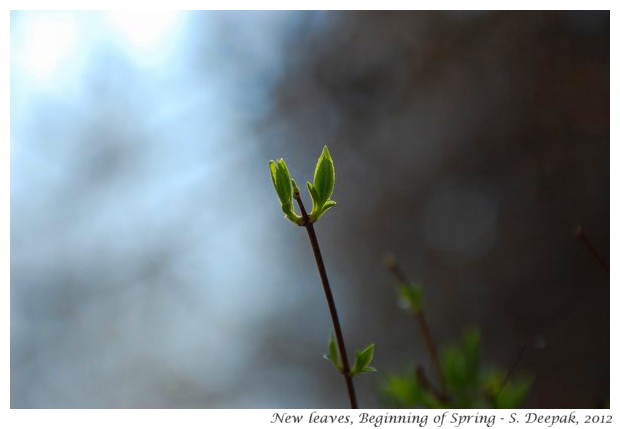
[(146, 34), (46, 43)]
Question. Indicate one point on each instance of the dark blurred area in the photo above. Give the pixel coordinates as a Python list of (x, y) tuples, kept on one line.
[(151, 266)]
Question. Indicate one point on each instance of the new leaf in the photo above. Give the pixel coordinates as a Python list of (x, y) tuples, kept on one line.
[(323, 187), (363, 360), (332, 355)]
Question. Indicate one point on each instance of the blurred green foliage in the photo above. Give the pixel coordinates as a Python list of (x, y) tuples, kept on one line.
[(464, 382)]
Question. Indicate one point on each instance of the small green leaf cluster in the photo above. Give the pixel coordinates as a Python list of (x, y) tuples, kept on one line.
[(363, 358), (468, 385), (320, 190)]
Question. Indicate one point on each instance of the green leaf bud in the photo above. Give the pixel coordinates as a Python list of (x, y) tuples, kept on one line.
[(284, 189), (323, 187)]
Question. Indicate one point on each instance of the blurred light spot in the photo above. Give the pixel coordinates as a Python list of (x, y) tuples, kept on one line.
[(461, 219), (45, 44), (147, 36)]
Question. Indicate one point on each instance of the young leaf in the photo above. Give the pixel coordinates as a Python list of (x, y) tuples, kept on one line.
[(514, 393), (324, 177), (319, 212), (323, 187), (315, 197), (453, 365), (492, 382), (283, 182), (362, 361), (284, 189), (471, 349), (412, 297), (332, 355), (327, 204), (401, 391)]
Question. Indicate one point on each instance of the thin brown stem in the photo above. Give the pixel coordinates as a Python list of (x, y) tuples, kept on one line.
[(427, 385), (427, 336), (513, 368), (432, 348), (581, 235), (537, 342), (346, 370)]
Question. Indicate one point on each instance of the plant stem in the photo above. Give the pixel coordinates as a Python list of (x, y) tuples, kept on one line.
[(427, 385), (512, 368), (393, 266), (430, 345), (581, 235), (346, 370)]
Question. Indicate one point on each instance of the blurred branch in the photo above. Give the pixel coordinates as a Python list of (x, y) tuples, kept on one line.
[(392, 265), (583, 238)]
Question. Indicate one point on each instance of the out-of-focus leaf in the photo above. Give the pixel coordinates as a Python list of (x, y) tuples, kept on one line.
[(514, 393), (412, 297), (471, 350), (454, 367)]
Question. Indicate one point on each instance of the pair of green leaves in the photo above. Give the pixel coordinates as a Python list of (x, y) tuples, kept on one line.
[(363, 358), (320, 191)]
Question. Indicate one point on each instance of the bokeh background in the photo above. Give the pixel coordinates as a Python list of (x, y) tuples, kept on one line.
[(151, 265)]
